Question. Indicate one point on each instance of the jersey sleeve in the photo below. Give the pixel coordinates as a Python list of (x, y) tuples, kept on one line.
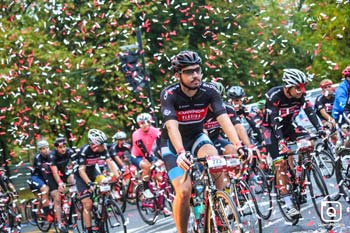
[(217, 104), (274, 119), (233, 115), (167, 100), (308, 108)]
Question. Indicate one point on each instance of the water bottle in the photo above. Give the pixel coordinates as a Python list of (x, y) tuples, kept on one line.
[(198, 202)]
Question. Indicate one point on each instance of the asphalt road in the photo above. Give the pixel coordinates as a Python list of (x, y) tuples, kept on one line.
[(309, 223)]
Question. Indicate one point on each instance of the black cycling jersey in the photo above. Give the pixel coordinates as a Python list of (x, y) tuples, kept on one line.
[(212, 125), (91, 159), (250, 120), (190, 112), (116, 150), (322, 102), (282, 111), (62, 161), (42, 165)]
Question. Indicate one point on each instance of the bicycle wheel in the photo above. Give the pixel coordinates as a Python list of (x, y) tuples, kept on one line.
[(343, 174), (326, 165), (28, 211), (120, 194), (319, 195), (262, 190), (147, 207), (113, 218), (39, 217), (247, 207), (15, 217), (222, 215), (76, 216), (295, 193)]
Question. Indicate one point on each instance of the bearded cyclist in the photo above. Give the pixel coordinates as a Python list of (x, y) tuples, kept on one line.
[(283, 104), (184, 106)]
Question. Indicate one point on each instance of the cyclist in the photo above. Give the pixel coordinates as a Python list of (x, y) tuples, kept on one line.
[(184, 106), (283, 103), (92, 158), (324, 105), (144, 148), (44, 181), (120, 150), (63, 163), (212, 127), (341, 107), (324, 102), (247, 118)]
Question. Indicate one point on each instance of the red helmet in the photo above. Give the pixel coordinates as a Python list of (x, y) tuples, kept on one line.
[(325, 82), (346, 71)]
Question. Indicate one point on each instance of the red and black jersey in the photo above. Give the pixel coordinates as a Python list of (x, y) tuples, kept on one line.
[(282, 111), (212, 125), (322, 102), (190, 112), (92, 159)]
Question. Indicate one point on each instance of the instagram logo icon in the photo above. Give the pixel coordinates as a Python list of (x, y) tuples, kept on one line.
[(331, 211)]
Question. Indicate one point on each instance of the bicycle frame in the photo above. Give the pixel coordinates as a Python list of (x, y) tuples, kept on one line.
[(214, 164)]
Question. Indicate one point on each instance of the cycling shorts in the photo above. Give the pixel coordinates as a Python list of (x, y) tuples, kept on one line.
[(38, 183), (136, 160), (169, 154), (220, 144), (290, 133)]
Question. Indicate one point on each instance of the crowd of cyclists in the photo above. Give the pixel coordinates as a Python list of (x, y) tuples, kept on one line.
[(197, 122)]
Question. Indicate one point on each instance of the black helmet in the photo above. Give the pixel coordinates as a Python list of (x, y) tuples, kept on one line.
[(235, 92), (185, 58), (59, 141)]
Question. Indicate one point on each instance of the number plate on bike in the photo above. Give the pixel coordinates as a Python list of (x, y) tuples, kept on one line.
[(304, 145), (216, 163), (232, 164), (105, 188)]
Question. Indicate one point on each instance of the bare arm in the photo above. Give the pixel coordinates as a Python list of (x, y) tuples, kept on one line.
[(229, 129), (242, 134), (326, 116), (113, 167), (55, 174), (83, 175), (174, 135)]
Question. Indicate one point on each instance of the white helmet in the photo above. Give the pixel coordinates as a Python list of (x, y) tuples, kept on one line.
[(144, 117), (119, 135), (42, 143), (294, 77), (96, 136)]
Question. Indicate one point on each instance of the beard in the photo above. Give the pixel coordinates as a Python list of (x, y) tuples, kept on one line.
[(188, 87)]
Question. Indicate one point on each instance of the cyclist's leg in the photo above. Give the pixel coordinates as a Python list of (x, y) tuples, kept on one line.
[(181, 204), (145, 165), (55, 194), (280, 166), (39, 185), (203, 147), (86, 201)]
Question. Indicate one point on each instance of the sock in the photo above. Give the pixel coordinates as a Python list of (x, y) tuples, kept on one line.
[(288, 201)]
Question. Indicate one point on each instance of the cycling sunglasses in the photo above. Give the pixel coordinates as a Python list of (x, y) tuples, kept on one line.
[(198, 70)]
